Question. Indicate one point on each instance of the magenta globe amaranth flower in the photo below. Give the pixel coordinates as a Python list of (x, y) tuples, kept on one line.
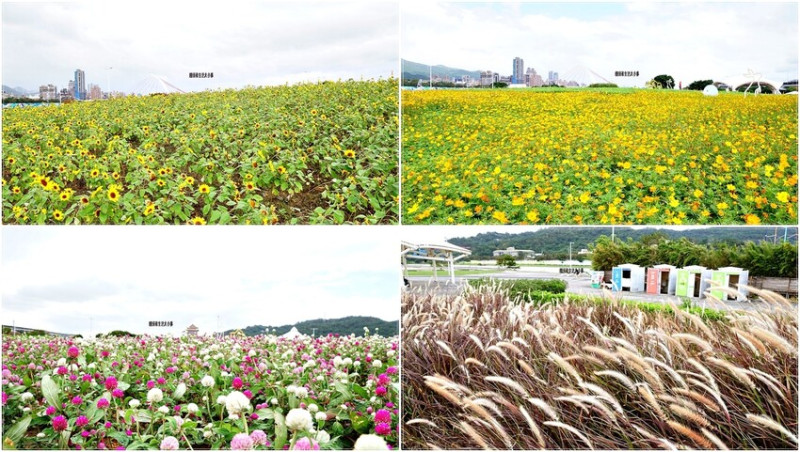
[(380, 391), (81, 421), (305, 444), (169, 443), (102, 403), (73, 352), (51, 410), (59, 423), (383, 428), (237, 383), (111, 383), (118, 393), (77, 400), (241, 441), (383, 416)]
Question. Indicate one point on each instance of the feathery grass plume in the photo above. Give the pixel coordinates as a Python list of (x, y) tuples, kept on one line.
[(620, 341), (691, 434), (452, 398), (571, 429), (544, 406), (773, 340), (667, 399), (534, 428), (740, 374), (477, 405), (603, 353), (676, 377), (771, 424), (647, 395), (750, 342), (699, 398), (689, 415), (771, 383), (511, 347), (595, 402), (477, 341), (691, 338), (595, 330), (531, 373), (586, 358), (474, 362), (714, 392), (509, 383), (521, 342), (714, 439), (499, 351), (565, 366), (644, 432), (420, 420), (604, 395), (466, 428), (706, 373), (771, 297), (628, 325), (622, 378)]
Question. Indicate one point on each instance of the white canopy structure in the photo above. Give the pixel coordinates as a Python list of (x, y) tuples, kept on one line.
[(293, 333), (434, 252)]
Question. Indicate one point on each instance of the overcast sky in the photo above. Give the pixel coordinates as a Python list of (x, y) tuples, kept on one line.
[(57, 278), (686, 40), (242, 43)]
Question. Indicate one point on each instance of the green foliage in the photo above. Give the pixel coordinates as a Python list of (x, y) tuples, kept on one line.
[(765, 89), (535, 291), (663, 79), (761, 259), (120, 333), (699, 85), (506, 260), (603, 85), (322, 327), (500, 85)]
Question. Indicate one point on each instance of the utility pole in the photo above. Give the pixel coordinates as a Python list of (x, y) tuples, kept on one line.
[(570, 256), (313, 332)]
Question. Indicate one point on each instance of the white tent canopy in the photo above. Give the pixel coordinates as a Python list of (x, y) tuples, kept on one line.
[(293, 333), (433, 252)]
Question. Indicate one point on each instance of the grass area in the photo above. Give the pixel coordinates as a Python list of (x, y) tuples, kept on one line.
[(458, 272)]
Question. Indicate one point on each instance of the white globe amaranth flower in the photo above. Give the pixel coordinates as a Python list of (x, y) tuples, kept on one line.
[(301, 392), (155, 395), (348, 361), (26, 396), (299, 419), (62, 362), (179, 391), (338, 361), (207, 381), (236, 402), (133, 403), (313, 408), (357, 364), (370, 442), (221, 400), (322, 437), (163, 409), (273, 401), (377, 363), (391, 353), (192, 408), (321, 416)]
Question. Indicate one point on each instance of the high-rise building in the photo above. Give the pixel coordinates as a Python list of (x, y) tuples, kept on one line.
[(80, 85), (487, 78), (95, 93), (552, 77), (48, 92), (518, 75), (532, 78)]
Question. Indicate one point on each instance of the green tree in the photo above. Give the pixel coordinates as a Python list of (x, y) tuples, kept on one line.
[(507, 260), (664, 81), (699, 85)]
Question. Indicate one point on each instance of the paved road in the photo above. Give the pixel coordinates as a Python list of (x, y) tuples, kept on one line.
[(575, 284)]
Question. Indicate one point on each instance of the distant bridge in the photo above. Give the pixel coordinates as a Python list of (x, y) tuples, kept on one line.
[(22, 330)]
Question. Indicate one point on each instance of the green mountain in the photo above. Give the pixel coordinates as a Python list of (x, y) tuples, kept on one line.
[(555, 241), (412, 70), (344, 326)]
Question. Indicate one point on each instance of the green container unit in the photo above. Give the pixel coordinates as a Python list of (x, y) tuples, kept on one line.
[(692, 281), (596, 278), (730, 277)]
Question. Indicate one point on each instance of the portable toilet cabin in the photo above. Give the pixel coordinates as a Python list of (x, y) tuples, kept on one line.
[(596, 279), (730, 277), (627, 278), (692, 281), (661, 279)]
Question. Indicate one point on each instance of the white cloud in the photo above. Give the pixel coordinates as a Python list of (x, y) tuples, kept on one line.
[(690, 41), (243, 43)]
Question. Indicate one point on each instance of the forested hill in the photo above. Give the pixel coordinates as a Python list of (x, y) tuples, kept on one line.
[(555, 241), (343, 326)]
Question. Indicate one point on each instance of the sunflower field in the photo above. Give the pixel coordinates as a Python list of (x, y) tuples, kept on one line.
[(304, 154), (598, 157)]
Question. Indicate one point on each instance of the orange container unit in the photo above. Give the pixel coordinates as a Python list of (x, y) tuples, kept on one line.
[(662, 279)]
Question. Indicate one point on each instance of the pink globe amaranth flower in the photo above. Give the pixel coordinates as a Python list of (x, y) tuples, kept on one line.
[(62, 370), (391, 370), (81, 421), (111, 383), (102, 403), (118, 393), (241, 441), (151, 384), (384, 379), (383, 428), (254, 416), (170, 370), (59, 423), (51, 410), (5, 398), (389, 405), (86, 433), (369, 410), (161, 380), (169, 443), (77, 400), (305, 444), (101, 445), (73, 352), (104, 353), (383, 416), (108, 424), (237, 383), (248, 393), (259, 438), (380, 391)]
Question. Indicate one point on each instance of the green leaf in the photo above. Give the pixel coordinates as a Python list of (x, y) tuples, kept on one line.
[(265, 413), (361, 424), (51, 391), (280, 431), (338, 215), (16, 432)]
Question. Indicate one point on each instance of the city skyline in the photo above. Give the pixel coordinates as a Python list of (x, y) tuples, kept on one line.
[(253, 44), (688, 41)]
